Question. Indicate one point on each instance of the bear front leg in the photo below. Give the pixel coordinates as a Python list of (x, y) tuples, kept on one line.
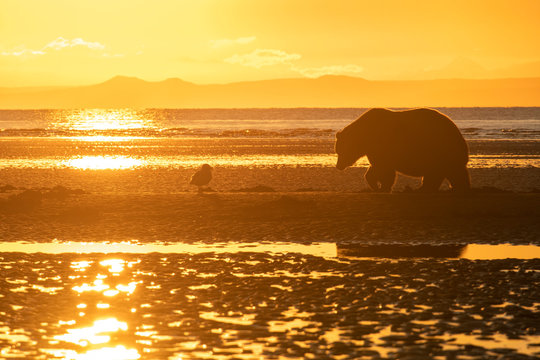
[(380, 179), (372, 179), (387, 177)]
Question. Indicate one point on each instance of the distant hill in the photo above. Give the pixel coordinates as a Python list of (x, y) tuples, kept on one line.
[(326, 91)]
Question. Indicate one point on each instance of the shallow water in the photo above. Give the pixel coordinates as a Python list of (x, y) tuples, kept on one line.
[(98, 153), (249, 305), (115, 162), (323, 250), (484, 123)]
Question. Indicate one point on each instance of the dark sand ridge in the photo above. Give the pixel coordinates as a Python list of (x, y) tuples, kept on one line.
[(484, 217), (226, 179)]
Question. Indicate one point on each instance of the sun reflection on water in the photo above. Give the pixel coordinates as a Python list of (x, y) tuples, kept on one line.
[(118, 352), (95, 334), (101, 339), (115, 265), (104, 138), (103, 163), (98, 286), (254, 305), (104, 119)]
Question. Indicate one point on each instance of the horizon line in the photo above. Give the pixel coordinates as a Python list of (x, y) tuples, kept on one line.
[(261, 80)]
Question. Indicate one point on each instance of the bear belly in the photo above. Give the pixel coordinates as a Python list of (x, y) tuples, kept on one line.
[(417, 160), (412, 171), (409, 163)]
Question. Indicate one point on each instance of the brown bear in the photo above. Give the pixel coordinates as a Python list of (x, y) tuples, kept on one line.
[(419, 142)]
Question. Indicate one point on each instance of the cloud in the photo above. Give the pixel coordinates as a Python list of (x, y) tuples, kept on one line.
[(268, 57), (57, 44), (22, 52), (263, 57), (329, 70), (61, 43), (221, 43)]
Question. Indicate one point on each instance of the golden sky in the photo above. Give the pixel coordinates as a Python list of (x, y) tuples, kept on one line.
[(68, 42)]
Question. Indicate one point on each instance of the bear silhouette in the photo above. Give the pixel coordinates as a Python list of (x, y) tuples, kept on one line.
[(420, 143)]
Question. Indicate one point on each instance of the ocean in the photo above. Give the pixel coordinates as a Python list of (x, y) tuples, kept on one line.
[(475, 123)]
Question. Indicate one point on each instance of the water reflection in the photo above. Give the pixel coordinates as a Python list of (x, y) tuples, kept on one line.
[(262, 305), (447, 251), (323, 249), (314, 249), (98, 286), (120, 162), (103, 331), (103, 162), (104, 138), (118, 352), (98, 333), (103, 119), (396, 251)]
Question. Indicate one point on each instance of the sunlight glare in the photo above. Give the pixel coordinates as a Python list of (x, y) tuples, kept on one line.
[(103, 162), (111, 292), (118, 352), (115, 265), (104, 138), (128, 289), (94, 334), (98, 286), (105, 119), (80, 265)]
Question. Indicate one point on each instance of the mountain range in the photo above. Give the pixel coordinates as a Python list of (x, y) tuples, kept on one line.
[(325, 91)]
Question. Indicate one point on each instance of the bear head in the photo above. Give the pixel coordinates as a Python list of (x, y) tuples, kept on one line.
[(348, 149)]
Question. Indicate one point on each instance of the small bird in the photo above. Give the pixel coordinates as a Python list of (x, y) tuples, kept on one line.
[(202, 177)]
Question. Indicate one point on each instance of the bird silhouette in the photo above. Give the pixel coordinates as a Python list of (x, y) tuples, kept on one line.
[(202, 177)]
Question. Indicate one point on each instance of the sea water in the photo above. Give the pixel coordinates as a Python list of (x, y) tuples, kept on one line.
[(126, 138), (475, 123)]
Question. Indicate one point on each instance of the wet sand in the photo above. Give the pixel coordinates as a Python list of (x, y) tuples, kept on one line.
[(162, 166), (487, 216)]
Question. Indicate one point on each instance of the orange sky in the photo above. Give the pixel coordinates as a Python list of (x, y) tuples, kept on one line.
[(66, 42)]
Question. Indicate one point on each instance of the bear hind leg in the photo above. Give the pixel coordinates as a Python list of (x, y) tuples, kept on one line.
[(460, 179), (380, 180)]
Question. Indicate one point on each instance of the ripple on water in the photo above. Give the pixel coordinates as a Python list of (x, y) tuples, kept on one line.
[(253, 305)]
